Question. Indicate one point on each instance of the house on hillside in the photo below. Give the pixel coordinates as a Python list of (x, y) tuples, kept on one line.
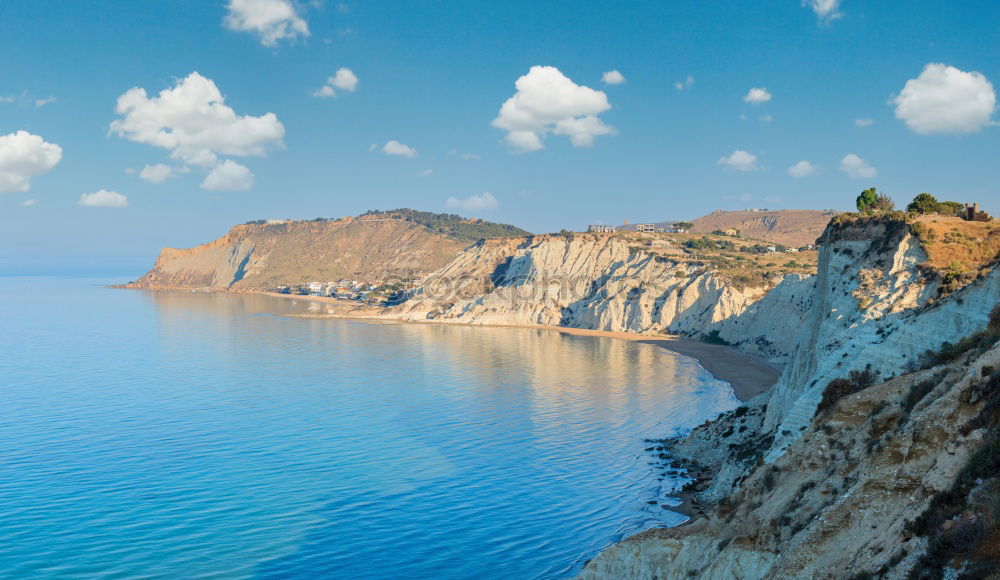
[(645, 227), (601, 229)]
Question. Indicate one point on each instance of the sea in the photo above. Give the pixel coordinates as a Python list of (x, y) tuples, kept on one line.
[(179, 434)]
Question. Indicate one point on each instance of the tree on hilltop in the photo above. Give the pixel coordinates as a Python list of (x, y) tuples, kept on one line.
[(923, 203), (871, 201), (866, 201)]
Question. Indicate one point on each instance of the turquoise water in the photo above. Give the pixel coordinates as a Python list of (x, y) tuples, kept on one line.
[(194, 435)]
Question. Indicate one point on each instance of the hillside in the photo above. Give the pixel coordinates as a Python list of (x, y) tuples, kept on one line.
[(787, 227), (261, 256), (456, 226)]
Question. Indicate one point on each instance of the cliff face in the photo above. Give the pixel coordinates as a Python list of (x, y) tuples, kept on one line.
[(872, 305), (607, 282), (262, 256), (835, 490), (853, 496)]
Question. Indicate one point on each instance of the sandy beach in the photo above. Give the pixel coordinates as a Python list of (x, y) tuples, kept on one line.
[(748, 375)]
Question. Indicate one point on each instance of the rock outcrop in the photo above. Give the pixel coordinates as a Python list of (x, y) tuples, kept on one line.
[(848, 498)]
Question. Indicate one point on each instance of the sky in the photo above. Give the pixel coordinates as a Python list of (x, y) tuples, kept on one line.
[(127, 126)]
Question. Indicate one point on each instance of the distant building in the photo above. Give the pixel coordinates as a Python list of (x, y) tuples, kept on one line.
[(601, 229), (645, 227)]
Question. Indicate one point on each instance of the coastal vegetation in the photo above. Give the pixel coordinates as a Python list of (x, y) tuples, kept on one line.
[(456, 226)]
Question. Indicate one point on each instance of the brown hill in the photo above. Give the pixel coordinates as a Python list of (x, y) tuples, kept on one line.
[(262, 256), (787, 227)]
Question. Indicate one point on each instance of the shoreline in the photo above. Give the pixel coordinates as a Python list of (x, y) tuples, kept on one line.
[(748, 375)]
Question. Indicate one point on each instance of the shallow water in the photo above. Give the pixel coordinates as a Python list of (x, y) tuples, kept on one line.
[(178, 434)]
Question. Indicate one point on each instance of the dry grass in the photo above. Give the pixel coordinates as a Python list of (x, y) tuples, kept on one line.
[(742, 269), (953, 244)]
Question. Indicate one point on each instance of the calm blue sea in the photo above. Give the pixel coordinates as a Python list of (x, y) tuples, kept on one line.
[(196, 435)]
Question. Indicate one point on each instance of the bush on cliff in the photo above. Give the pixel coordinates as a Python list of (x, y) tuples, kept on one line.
[(837, 389)]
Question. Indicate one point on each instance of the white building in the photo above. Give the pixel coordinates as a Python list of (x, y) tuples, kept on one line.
[(601, 229)]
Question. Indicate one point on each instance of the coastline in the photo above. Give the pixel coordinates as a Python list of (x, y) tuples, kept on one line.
[(749, 376)]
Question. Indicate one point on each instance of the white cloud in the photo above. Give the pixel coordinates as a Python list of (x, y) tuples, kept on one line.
[(757, 95), (394, 147), (271, 20), (45, 101), (29, 202), (826, 10), (684, 84), (464, 156), (228, 176), (856, 167), (739, 160), (613, 77), (944, 99), (766, 118), (864, 122), (326, 91), (6, 100), (546, 102), (194, 123), (475, 203), (23, 156), (103, 198), (425, 173), (157, 173), (344, 79), (803, 169)]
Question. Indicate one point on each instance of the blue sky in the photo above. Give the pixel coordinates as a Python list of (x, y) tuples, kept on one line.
[(433, 76)]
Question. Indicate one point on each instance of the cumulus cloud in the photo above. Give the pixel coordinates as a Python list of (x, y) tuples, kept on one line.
[(6, 99), (757, 95), (826, 10), (613, 77), (29, 202), (394, 147), (546, 102), (766, 118), (475, 203), (344, 79), (944, 99), (228, 176), (192, 121), (45, 101), (271, 20), (684, 84), (856, 167), (103, 198), (864, 122), (157, 173), (425, 173), (739, 160), (23, 156), (803, 169)]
